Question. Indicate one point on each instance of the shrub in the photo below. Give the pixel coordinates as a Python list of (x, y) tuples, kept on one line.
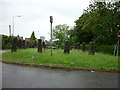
[(107, 49)]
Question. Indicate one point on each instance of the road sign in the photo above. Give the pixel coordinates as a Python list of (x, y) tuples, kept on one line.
[(118, 35), (51, 19), (42, 37)]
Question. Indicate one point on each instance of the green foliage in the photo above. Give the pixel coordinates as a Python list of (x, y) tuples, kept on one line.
[(32, 36), (76, 58), (99, 23), (60, 32), (105, 49), (6, 41), (32, 41)]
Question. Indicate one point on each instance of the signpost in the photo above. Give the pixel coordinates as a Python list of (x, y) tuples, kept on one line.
[(118, 42), (42, 37), (51, 21)]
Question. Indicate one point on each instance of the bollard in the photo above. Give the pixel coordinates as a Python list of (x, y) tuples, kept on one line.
[(27, 44), (83, 47), (44, 45), (23, 44), (39, 45), (19, 43), (92, 48), (77, 46), (67, 46), (14, 45)]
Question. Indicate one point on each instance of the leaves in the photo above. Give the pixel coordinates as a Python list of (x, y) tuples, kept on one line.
[(32, 40), (99, 23), (60, 32)]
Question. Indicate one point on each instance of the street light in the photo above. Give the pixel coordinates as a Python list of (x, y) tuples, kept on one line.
[(13, 23)]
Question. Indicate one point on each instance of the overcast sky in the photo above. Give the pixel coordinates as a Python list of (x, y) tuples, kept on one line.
[(36, 14)]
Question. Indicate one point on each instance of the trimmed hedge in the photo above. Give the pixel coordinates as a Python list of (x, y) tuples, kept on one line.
[(109, 49), (106, 49)]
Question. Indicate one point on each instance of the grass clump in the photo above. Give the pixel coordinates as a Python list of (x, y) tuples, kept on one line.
[(76, 58)]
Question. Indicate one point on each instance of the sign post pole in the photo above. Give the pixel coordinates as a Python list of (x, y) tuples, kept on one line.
[(118, 43), (118, 48), (51, 21)]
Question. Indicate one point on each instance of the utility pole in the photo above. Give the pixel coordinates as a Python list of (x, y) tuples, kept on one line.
[(51, 21), (9, 30)]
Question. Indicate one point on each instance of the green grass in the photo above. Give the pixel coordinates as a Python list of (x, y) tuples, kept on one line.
[(74, 59)]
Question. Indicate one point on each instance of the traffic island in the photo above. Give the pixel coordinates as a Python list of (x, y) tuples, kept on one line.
[(60, 67), (76, 60)]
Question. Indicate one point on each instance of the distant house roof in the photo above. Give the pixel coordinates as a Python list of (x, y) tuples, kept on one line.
[(27, 39), (19, 38)]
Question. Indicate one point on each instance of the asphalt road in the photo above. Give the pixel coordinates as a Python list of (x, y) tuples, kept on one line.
[(14, 76)]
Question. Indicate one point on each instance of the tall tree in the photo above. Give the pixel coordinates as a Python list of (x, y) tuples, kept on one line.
[(33, 36), (32, 40), (60, 32), (99, 23)]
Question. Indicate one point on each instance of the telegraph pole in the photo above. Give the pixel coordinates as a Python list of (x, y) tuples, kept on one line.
[(9, 30), (51, 21)]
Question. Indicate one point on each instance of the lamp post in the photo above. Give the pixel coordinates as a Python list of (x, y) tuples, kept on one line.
[(13, 23), (51, 21)]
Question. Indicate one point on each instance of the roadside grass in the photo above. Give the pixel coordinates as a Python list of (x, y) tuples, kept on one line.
[(76, 58), (0, 56)]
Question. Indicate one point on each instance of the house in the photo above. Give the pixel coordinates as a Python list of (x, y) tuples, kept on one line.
[(27, 39)]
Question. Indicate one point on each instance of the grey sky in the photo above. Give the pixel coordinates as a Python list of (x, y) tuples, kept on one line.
[(35, 15)]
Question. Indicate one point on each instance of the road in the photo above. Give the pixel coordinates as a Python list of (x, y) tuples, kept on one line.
[(14, 76)]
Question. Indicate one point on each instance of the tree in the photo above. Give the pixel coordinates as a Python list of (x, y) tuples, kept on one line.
[(99, 23), (32, 40), (60, 32), (6, 41), (33, 36)]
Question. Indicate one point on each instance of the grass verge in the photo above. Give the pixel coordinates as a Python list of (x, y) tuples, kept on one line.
[(74, 59)]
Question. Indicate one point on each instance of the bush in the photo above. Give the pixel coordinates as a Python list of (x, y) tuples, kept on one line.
[(8, 46), (6, 41), (108, 49)]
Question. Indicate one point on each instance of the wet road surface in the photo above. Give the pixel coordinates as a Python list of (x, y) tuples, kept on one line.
[(14, 76)]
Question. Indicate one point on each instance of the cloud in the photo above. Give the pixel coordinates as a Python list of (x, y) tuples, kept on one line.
[(35, 14)]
